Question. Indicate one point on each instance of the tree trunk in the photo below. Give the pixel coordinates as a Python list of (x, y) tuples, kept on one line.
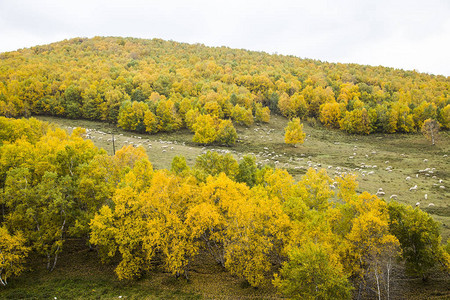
[(378, 284)]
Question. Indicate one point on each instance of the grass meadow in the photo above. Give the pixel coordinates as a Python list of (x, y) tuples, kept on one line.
[(395, 163)]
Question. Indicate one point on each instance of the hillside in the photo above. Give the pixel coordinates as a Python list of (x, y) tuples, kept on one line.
[(155, 169), (156, 85)]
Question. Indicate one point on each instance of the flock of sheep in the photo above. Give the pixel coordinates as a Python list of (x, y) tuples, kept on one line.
[(266, 156)]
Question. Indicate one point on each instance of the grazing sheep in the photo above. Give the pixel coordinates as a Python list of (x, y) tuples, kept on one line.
[(417, 204), (431, 204), (426, 196), (413, 188), (380, 192), (442, 187), (408, 178), (393, 197)]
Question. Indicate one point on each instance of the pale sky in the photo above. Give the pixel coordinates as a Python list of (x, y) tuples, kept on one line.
[(407, 34)]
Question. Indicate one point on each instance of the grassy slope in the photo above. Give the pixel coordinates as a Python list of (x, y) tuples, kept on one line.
[(81, 275), (405, 154)]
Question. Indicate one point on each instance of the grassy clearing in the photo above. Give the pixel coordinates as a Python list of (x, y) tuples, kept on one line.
[(379, 160)]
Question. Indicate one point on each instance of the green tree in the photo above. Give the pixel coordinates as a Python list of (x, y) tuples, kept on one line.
[(226, 133), (247, 170), (179, 165), (312, 272), (242, 116), (419, 238), (213, 164)]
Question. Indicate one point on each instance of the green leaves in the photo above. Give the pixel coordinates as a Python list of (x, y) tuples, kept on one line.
[(313, 272), (419, 238)]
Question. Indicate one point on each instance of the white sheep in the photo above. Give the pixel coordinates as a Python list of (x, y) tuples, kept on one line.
[(413, 188), (393, 197), (417, 204), (408, 178)]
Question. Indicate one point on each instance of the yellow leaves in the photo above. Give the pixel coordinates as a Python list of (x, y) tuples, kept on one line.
[(242, 115), (136, 116), (315, 189), (127, 156), (210, 129), (356, 121), (330, 114), (262, 114), (13, 253), (294, 132), (369, 242), (204, 217), (347, 186), (145, 219), (204, 128), (444, 117)]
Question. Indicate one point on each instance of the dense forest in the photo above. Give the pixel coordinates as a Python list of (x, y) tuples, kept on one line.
[(155, 85)]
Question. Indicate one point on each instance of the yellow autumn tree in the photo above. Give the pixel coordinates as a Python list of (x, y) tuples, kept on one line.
[(13, 253), (205, 129), (262, 114), (294, 132), (330, 114)]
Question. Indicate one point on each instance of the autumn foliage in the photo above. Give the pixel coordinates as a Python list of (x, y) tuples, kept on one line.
[(259, 224), (155, 85)]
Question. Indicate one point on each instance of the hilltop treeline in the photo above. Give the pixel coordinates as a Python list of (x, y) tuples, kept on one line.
[(156, 85), (316, 237)]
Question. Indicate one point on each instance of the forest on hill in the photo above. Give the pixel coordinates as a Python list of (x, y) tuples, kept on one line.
[(314, 236), (155, 85)]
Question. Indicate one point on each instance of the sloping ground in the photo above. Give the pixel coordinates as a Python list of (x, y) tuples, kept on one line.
[(394, 163)]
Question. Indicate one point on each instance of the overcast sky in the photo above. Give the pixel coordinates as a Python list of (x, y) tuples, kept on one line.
[(407, 34)]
